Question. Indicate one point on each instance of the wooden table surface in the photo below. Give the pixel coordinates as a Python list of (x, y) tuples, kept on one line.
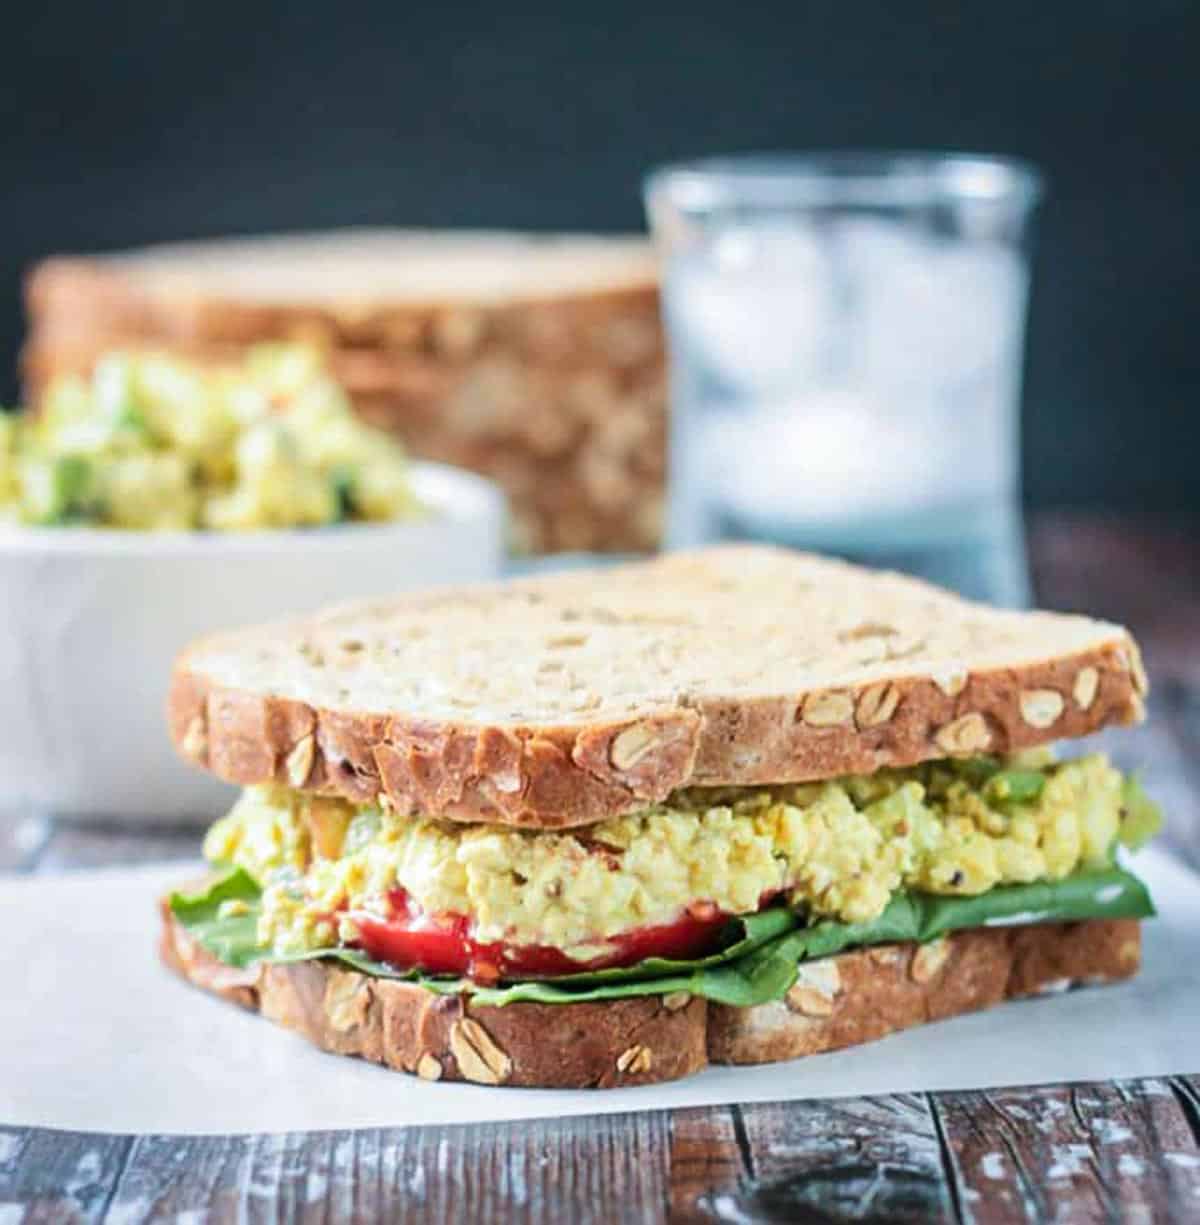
[(1123, 1151)]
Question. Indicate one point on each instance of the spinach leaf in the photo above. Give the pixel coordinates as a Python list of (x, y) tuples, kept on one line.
[(231, 938), (342, 480)]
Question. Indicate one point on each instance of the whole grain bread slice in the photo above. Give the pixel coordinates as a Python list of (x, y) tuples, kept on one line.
[(837, 1002), (566, 700)]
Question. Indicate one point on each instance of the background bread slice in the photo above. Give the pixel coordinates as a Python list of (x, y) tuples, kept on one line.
[(570, 699), (838, 1002), (538, 361)]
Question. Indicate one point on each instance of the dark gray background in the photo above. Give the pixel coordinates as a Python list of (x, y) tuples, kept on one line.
[(153, 120)]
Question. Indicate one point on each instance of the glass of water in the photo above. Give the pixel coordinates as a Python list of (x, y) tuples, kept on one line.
[(846, 339)]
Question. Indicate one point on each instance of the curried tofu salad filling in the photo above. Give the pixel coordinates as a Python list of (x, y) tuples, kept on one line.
[(699, 893), (154, 443)]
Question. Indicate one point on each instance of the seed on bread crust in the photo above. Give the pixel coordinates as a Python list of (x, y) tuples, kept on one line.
[(951, 681), (477, 1055), (884, 956), (928, 960), (967, 734), (574, 639), (815, 989), (876, 705), (675, 1000), (1040, 708), (631, 745), (636, 1060), (347, 999), (829, 709), (300, 760), (429, 1066), (809, 1002), (1129, 658), (456, 333), (195, 740), (1086, 683)]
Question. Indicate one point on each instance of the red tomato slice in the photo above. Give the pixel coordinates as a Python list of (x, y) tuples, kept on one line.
[(444, 945)]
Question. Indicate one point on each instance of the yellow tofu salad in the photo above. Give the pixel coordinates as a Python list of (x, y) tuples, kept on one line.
[(153, 443), (1002, 836)]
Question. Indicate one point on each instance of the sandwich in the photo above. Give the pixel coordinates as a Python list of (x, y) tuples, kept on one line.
[(604, 828)]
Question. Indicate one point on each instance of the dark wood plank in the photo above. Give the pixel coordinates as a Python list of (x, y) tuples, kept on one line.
[(1123, 1151), (860, 1159), (1146, 1147), (708, 1161), (85, 846), (54, 1176), (1187, 1090), (218, 1178), (586, 1169), (580, 1170)]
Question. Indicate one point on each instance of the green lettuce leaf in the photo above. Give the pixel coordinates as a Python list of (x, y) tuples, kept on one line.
[(760, 964), (230, 938)]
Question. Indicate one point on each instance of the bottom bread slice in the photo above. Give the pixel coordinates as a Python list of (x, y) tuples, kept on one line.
[(836, 1002)]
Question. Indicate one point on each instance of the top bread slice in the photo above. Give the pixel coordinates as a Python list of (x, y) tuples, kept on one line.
[(566, 700), (369, 284)]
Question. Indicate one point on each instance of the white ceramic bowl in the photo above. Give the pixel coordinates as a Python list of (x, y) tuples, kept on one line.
[(90, 621)]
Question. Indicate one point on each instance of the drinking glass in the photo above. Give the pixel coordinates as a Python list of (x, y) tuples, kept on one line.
[(845, 335)]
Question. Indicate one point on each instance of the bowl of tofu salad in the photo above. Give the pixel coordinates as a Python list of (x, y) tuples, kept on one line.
[(158, 500)]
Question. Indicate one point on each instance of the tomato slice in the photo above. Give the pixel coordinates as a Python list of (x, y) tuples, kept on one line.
[(444, 945)]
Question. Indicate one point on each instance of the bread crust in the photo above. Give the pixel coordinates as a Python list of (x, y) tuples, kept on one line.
[(550, 774), (74, 295), (837, 1002)]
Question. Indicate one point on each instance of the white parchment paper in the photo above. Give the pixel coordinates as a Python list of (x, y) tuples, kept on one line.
[(96, 1035)]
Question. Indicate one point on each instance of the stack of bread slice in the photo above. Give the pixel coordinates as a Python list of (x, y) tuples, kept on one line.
[(534, 360)]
